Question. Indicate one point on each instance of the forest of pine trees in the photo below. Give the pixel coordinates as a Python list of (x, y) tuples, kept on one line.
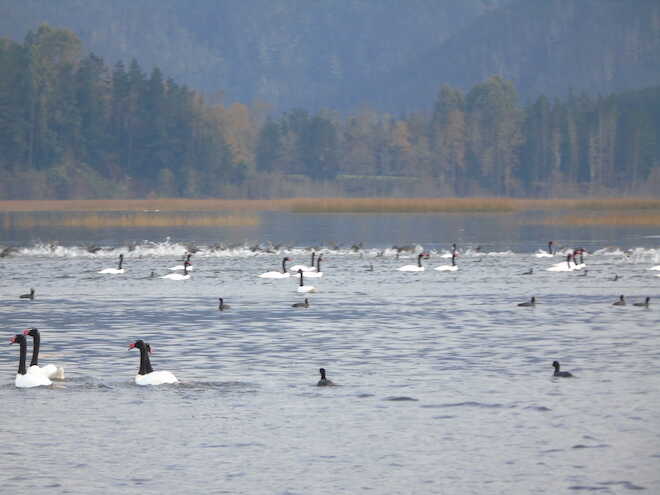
[(73, 127)]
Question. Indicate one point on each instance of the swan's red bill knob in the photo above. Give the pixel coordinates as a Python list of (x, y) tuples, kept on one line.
[(131, 346), (12, 340), (26, 332)]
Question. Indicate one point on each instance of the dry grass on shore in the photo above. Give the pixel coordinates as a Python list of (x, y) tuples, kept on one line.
[(338, 205), (133, 220), (613, 219)]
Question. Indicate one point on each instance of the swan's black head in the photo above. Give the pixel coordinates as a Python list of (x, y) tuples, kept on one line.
[(32, 332), (621, 297), (287, 259), (533, 299), (322, 371), (121, 256), (140, 344), (300, 271), (19, 338), (555, 365), (647, 300)]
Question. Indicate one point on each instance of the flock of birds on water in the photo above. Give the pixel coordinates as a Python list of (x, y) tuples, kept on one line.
[(35, 375)]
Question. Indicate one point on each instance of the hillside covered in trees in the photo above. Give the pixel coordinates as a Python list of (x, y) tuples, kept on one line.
[(387, 54), (72, 126)]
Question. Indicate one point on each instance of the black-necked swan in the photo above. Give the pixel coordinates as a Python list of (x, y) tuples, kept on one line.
[(222, 306), (318, 273), (449, 268), (644, 304), (179, 276), (324, 382), (301, 305), (555, 364), (182, 267), (282, 274), (115, 271), (414, 268), (50, 370), (304, 268), (23, 378), (528, 272), (30, 295), (146, 375), (302, 287), (620, 302), (531, 302)]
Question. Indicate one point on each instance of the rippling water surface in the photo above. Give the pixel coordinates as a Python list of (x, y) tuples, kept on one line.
[(445, 384)]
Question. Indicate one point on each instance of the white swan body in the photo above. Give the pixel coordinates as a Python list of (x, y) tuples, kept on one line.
[(543, 254), (282, 274), (179, 276), (413, 268), (50, 371), (180, 267), (156, 378), (304, 288), (176, 276), (446, 268), (566, 267), (112, 271), (655, 268), (30, 380), (305, 268), (313, 274), (274, 275), (146, 375), (115, 271), (23, 378)]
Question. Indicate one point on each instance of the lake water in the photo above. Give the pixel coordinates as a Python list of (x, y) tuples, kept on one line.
[(444, 384)]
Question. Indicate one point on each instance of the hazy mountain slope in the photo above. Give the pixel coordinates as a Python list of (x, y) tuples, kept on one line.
[(287, 52), (545, 47)]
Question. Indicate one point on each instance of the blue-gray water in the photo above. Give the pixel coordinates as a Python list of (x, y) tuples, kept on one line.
[(445, 385)]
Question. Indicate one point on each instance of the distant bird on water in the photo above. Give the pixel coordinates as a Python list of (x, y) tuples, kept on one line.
[(28, 296), (531, 302), (567, 374), (644, 304)]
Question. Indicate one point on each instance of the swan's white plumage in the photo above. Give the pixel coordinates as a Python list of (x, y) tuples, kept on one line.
[(655, 268), (313, 274), (156, 378), (112, 271), (543, 254), (306, 288), (446, 268), (411, 268), (180, 267), (564, 267), (50, 371), (176, 276), (274, 275), (29, 380), (304, 268)]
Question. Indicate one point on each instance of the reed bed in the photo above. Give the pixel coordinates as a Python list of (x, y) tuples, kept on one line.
[(133, 220), (403, 205), (614, 219), (337, 205)]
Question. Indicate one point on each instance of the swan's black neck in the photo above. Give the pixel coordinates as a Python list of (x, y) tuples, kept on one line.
[(453, 259), (145, 363), (35, 349), (318, 264), (419, 259), (23, 357), (121, 261), (301, 278), (221, 304), (313, 256), (185, 268), (550, 247), (284, 265), (323, 374)]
